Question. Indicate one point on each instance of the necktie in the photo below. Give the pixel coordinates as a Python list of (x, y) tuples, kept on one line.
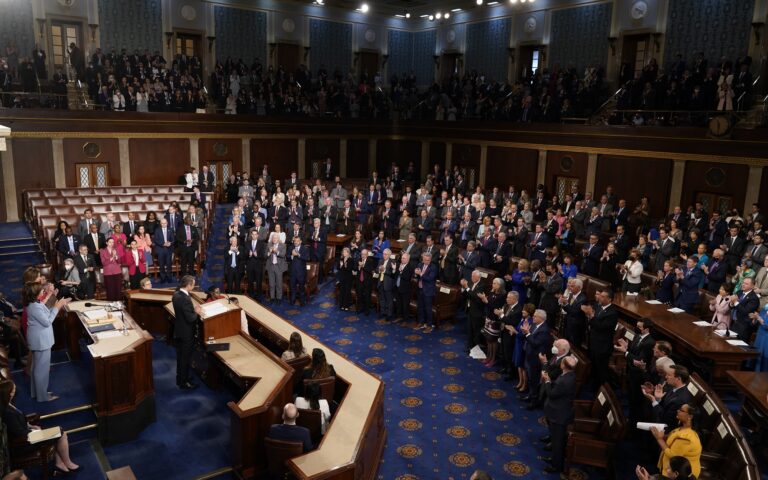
[(361, 273), (165, 236), (234, 259), (189, 234)]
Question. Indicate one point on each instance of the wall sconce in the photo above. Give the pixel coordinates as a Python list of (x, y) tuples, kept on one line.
[(612, 43), (511, 53), (211, 40), (93, 27), (306, 52), (41, 24), (168, 37), (384, 59), (657, 41), (756, 29)]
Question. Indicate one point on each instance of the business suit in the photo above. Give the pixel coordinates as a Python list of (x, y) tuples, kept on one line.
[(449, 272), (688, 294), (87, 279), (276, 266), (363, 283), (716, 275), (317, 240), (593, 225), (129, 228), (538, 340), (95, 245), (68, 245), (575, 319), (385, 275), (279, 215), (84, 227), (403, 277), (511, 316), (254, 265), (591, 263), (183, 333), (735, 250), (299, 256), (164, 253), (187, 239), (234, 265), (40, 341), (742, 324), (206, 181), (501, 265), (475, 313), (666, 250), (665, 294), (666, 409), (414, 252), (756, 253), (427, 292), (602, 327), (539, 245), (470, 263), (548, 301), (640, 349), (175, 221), (558, 410)]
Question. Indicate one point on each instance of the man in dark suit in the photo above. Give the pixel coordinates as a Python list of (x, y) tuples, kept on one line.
[(733, 246), (559, 410), (637, 348), (299, 256), (164, 240), (757, 251), (175, 219), (551, 365), (620, 215), (95, 241), (715, 270), (510, 316), (667, 399), (621, 242), (129, 226), (86, 265), (279, 215), (500, 256), (716, 231), (388, 220), (665, 249), (423, 226), (538, 340), (288, 431), (317, 239), (363, 273), (449, 257), (413, 250), (575, 320), (688, 280), (254, 266), (403, 277), (198, 197), (69, 243), (594, 223), (426, 273), (592, 253), (602, 326), (385, 274), (187, 239), (539, 244), (234, 264), (187, 314), (469, 261), (84, 227), (328, 216), (474, 291), (205, 180), (745, 306)]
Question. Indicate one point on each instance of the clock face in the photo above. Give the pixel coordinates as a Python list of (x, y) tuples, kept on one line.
[(530, 25), (639, 9), (66, 3)]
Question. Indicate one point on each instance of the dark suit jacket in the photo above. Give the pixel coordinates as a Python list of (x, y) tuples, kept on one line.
[(513, 316), (688, 295), (128, 231), (82, 265), (428, 280), (157, 238), (291, 433), (181, 236), (743, 325), (94, 249), (298, 267), (665, 294), (15, 422), (471, 262), (640, 350), (666, 410), (63, 246), (202, 178), (601, 329), (716, 275), (184, 326), (240, 260), (560, 395), (475, 306), (405, 278), (591, 264), (536, 342), (178, 220)]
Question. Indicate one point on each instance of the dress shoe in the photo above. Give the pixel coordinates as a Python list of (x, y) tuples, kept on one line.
[(188, 386), (551, 469), (545, 439)]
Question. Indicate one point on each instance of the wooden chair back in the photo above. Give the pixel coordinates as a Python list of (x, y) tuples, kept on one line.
[(278, 453), (327, 386), (313, 421)]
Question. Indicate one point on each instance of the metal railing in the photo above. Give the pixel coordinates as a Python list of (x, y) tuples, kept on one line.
[(657, 117), (39, 99)]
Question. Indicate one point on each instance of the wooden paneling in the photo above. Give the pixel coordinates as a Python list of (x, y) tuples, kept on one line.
[(436, 156), (318, 149), (763, 200), (734, 183), (32, 165), (357, 158), (158, 161), (400, 152), (512, 166), (282, 156), (633, 178), (73, 154), (556, 167), (3, 213), (221, 149)]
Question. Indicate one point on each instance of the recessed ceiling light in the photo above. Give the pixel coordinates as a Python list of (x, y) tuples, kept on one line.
[(479, 2), (364, 8), (438, 15), (456, 10), (431, 17), (423, 16), (447, 15), (399, 15), (407, 14), (492, 3)]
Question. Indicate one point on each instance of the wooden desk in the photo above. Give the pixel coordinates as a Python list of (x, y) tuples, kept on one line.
[(146, 306), (754, 386), (338, 241), (687, 338), (122, 370), (353, 444)]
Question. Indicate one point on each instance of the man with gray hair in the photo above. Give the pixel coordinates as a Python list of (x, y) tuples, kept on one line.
[(426, 273), (474, 292), (559, 410), (551, 366), (510, 316), (537, 341), (385, 274), (574, 319)]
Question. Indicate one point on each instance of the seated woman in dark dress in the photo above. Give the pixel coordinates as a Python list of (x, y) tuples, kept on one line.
[(18, 428), (317, 370)]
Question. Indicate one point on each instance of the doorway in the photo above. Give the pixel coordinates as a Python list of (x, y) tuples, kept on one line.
[(92, 175), (64, 33), (449, 66), (530, 61), (287, 56), (221, 171), (635, 53)]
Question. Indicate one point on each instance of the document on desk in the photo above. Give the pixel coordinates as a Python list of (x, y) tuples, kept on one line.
[(730, 333), (109, 334), (37, 436), (702, 323), (94, 316), (212, 309), (738, 343), (675, 310), (653, 302)]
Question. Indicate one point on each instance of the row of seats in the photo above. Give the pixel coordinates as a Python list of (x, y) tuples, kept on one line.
[(46, 192), (85, 200)]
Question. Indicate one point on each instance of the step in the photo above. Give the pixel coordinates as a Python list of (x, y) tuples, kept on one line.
[(22, 243), (24, 252)]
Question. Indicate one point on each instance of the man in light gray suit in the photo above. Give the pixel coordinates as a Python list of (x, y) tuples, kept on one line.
[(339, 194), (84, 227), (107, 226), (665, 248), (579, 216), (276, 267)]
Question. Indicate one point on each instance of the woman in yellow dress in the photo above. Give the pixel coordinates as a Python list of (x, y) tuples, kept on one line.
[(682, 441)]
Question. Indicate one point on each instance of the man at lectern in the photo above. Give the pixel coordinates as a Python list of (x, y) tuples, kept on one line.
[(187, 314)]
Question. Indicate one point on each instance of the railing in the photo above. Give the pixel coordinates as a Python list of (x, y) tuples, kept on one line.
[(672, 117), (740, 100), (32, 100)]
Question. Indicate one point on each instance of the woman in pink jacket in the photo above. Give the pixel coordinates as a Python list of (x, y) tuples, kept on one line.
[(113, 271), (722, 308)]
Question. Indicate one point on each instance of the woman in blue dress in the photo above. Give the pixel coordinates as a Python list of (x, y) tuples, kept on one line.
[(761, 342), (520, 279), (567, 269), (380, 244), (519, 357)]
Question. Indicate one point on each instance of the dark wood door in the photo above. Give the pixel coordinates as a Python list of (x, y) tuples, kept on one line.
[(449, 65), (287, 57), (368, 64), (529, 61), (635, 52)]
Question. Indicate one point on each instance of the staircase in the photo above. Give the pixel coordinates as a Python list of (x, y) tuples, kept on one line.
[(213, 274)]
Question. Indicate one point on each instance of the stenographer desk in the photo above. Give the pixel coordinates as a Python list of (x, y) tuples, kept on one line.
[(688, 339), (122, 372)]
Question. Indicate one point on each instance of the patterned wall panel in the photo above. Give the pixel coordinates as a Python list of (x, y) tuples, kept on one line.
[(132, 25), (240, 34), (412, 51), (716, 27), (331, 44), (16, 25), (579, 36), (486, 49)]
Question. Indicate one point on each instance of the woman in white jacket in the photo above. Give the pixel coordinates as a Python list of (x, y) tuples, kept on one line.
[(632, 272)]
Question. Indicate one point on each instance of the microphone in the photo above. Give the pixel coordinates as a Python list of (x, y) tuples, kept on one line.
[(90, 304)]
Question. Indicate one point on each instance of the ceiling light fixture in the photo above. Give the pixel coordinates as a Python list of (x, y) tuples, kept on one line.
[(438, 15), (479, 2), (447, 15), (431, 17), (407, 14), (456, 10), (364, 8)]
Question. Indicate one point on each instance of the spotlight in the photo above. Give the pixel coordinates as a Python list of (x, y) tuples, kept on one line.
[(438, 15), (513, 1), (431, 18), (447, 15), (364, 8), (407, 14), (479, 2)]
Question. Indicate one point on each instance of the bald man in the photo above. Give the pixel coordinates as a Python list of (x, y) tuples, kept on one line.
[(288, 431)]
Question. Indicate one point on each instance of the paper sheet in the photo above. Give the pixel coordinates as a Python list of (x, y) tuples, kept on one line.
[(702, 323), (653, 302), (95, 315), (36, 436), (477, 353), (675, 310), (731, 333), (647, 426), (211, 309), (108, 334), (738, 343)]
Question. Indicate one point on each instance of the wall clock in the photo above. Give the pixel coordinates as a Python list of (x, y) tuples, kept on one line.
[(530, 25), (66, 3), (639, 10)]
